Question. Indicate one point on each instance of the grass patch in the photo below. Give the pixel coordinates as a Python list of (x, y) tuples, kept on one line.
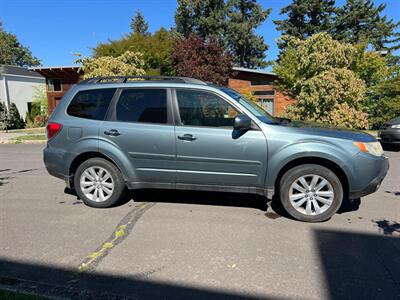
[(31, 137), (8, 295)]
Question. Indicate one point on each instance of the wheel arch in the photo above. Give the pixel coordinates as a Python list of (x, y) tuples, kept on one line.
[(85, 156), (331, 165)]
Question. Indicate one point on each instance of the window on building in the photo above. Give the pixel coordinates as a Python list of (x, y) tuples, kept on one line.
[(204, 109), (142, 105), (267, 104), (91, 104), (264, 93), (54, 85), (261, 82)]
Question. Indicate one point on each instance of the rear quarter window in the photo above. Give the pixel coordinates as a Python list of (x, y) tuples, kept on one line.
[(91, 104)]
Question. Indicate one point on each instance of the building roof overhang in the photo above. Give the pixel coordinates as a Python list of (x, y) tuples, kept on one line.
[(63, 72), (256, 71)]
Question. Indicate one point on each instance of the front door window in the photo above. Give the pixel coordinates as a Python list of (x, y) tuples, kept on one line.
[(197, 108)]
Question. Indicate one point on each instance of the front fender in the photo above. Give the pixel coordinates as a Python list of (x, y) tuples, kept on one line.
[(280, 157)]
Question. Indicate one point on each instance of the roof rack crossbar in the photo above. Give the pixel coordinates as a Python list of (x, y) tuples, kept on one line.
[(125, 79)]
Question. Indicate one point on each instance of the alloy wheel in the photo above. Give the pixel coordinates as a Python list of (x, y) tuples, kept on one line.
[(96, 184), (311, 194)]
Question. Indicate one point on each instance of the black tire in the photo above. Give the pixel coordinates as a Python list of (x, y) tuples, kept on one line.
[(293, 174), (117, 179)]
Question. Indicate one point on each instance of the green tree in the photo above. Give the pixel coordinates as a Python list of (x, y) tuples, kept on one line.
[(306, 18), (357, 21), (156, 49), (139, 24), (247, 47), (361, 21), (317, 73), (384, 102), (370, 66), (40, 97), (128, 63), (206, 18), (203, 59), (232, 23), (13, 53)]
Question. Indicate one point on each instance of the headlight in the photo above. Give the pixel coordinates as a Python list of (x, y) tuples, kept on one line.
[(395, 126), (373, 148)]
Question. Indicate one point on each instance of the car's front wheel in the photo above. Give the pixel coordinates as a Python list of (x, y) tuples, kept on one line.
[(311, 193), (99, 183)]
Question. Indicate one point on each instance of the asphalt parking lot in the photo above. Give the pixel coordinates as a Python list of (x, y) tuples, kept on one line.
[(167, 245)]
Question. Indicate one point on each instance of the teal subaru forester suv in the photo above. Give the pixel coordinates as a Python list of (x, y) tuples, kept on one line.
[(110, 134)]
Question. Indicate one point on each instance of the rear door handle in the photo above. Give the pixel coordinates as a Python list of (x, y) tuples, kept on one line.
[(112, 132), (187, 137)]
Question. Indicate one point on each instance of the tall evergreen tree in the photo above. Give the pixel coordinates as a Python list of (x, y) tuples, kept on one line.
[(361, 21), (307, 17), (206, 18), (231, 22), (139, 24), (247, 47)]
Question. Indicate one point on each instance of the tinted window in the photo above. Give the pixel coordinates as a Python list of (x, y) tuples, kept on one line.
[(204, 109), (141, 105), (91, 104)]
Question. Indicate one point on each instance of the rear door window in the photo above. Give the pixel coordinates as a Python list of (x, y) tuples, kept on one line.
[(91, 104), (143, 106)]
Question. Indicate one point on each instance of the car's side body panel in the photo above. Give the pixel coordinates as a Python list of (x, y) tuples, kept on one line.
[(152, 155)]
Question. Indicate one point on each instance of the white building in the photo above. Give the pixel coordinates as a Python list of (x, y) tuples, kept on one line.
[(18, 85)]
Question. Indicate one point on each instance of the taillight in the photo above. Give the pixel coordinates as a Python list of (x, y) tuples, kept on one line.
[(53, 129)]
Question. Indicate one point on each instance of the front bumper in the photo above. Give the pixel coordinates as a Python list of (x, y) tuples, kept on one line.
[(391, 135), (374, 184)]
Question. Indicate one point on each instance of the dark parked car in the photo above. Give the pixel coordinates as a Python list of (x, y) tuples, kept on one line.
[(390, 131), (109, 134)]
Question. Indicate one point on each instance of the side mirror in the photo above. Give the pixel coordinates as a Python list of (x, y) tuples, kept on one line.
[(242, 122)]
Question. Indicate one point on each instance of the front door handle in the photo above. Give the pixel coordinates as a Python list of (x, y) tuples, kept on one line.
[(187, 137), (112, 132)]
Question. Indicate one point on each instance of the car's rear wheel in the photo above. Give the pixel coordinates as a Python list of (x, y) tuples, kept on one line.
[(99, 183), (311, 193)]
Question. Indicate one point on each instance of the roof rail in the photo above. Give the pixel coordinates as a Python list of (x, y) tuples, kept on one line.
[(130, 79)]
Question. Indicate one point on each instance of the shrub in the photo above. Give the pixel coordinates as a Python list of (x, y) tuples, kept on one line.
[(40, 120), (10, 119), (16, 121), (317, 73)]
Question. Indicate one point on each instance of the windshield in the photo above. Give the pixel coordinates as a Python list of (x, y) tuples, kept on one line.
[(256, 110)]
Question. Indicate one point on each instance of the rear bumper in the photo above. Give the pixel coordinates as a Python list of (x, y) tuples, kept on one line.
[(373, 184), (54, 166)]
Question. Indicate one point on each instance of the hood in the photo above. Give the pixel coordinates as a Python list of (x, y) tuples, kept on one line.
[(329, 131)]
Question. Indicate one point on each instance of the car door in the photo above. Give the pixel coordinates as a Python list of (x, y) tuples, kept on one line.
[(140, 126), (209, 150)]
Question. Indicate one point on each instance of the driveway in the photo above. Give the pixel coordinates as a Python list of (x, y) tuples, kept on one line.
[(188, 245)]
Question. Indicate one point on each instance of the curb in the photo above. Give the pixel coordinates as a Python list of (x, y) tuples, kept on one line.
[(24, 130)]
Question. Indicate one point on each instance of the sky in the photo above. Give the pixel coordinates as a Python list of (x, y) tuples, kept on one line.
[(55, 29)]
